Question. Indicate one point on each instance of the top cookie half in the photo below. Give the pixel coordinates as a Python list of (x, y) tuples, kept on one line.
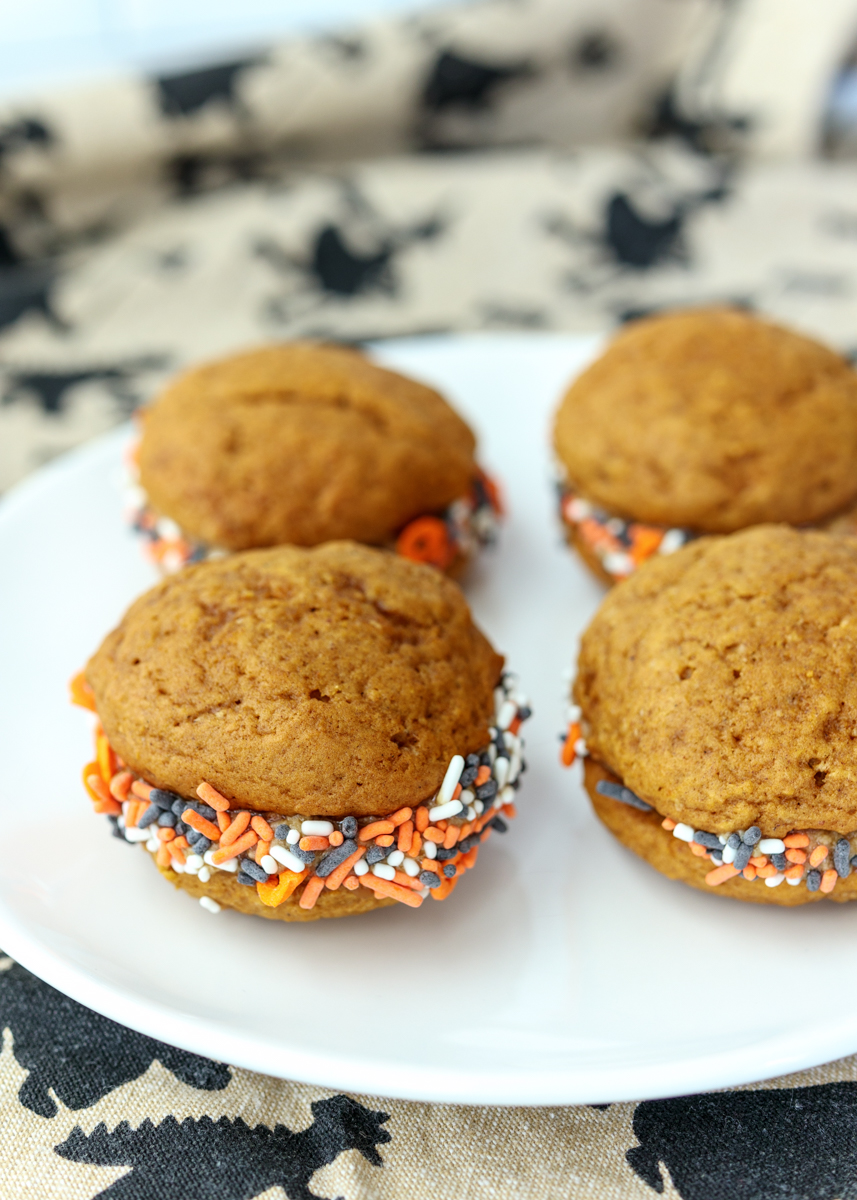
[(301, 443), (712, 420)]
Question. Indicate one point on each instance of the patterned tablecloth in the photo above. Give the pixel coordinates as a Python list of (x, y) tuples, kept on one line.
[(312, 189)]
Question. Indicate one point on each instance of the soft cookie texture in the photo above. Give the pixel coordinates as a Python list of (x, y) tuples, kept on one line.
[(720, 683), (303, 443), (329, 681), (712, 420)]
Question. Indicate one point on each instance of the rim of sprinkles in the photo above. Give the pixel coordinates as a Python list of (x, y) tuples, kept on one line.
[(406, 856)]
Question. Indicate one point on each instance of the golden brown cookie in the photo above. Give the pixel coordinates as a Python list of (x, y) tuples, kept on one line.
[(305, 443), (719, 686), (316, 710), (704, 421)]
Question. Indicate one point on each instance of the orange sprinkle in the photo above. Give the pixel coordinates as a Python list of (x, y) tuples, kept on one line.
[(120, 785), (403, 814), (795, 872), (314, 843), (482, 776), (235, 829), (339, 875), (223, 821), (351, 882), (749, 873), (262, 848), (796, 841), (136, 808), (370, 831), (515, 724), (98, 788), (405, 836), (668, 823), (468, 860), (176, 851), (445, 888), (166, 834), (386, 839), (212, 797), (105, 757), (200, 824), (699, 851), (441, 825), (416, 845), (141, 789), (828, 881), (818, 855), (311, 892), (760, 860), (163, 857), (382, 887), (796, 856), (509, 810), (427, 540), (421, 818), (567, 754), (275, 891), (429, 864), (336, 838), (404, 880), (450, 837), (81, 692), (767, 872), (434, 835), (261, 826), (721, 874), (181, 842), (226, 852)]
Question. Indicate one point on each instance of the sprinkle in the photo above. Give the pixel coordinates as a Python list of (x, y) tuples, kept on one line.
[(316, 828), (818, 856), (336, 838), (120, 785), (268, 864), (668, 823), (771, 846), (828, 881), (207, 793), (796, 841), (795, 856), (334, 858), (400, 817), (149, 817), (720, 875), (375, 854), (775, 880), (383, 871), (450, 779), (411, 867), (375, 828), (311, 892), (293, 837), (235, 829), (710, 840), (396, 858), (780, 861), (342, 872), (794, 873), (200, 824), (349, 827), (314, 843), (243, 843), (742, 858), (813, 880), (142, 789), (728, 853), (361, 867), (430, 850), (405, 836), (351, 882), (260, 826), (733, 840), (683, 832), (254, 870), (382, 887), (449, 870), (204, 875), (287, 859), (208, 904), (442, 811), (752, 835), (842, 858)]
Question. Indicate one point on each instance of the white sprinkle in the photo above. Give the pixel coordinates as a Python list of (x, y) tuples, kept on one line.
[(284, 856), (774, 880), (683, 832), (316, 828), (194, 861), (580, 748), (723, 838), (770, 846), (209, 905), (191, 870), (728, 854), (230, 865), (471, 812), (423, 892), (268, 864), (499, 699), (513, 742), (429, 850), (395, 858), (574, 713), (442, 811), (492, 753), (293, 837), (176, 866), (361, 867), (411, 867), (578, 509), (172, 561), (507, 714), (492, 732), (522, 700), (468, 797), (137, 835), (450, 780), (672, 540), (153, 845), (501, 773), (479, 807), (204, 875), (793, 882), (167, 529), (384, 872), (617, 563)]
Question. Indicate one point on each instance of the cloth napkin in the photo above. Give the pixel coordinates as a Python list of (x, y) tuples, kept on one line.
[(608, 161)]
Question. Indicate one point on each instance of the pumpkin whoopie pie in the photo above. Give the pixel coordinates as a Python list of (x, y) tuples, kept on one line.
[(716, 697), (302, 443), (703, 421), (301, 733)]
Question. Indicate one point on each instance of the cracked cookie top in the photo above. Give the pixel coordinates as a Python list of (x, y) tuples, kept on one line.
[(335, 680), (720, 683)]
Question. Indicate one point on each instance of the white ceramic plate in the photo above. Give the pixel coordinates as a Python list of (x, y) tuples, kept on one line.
[(562, 970)]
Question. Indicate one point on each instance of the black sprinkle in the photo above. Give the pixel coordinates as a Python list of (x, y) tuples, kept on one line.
[(734, 840), (485, 759), (282, 831), (780, 861), (472, 760), (179, 805), (334, 857), (167, 820), (115, 831), (467, 776), (813, 880), (842, 858), (429, 879), (443, 854), (499, 824), (374, 854), (199, 842), (306, 856), (525, 713), (162, 798), (854, 862), (617, 791), (487, 790), (348, 827), (181, 828), (753, 835), (450, 870), (248, 867), (151, 814), (742, 856), (247, 880), (469, 843), (709, 840), (202, 810)]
